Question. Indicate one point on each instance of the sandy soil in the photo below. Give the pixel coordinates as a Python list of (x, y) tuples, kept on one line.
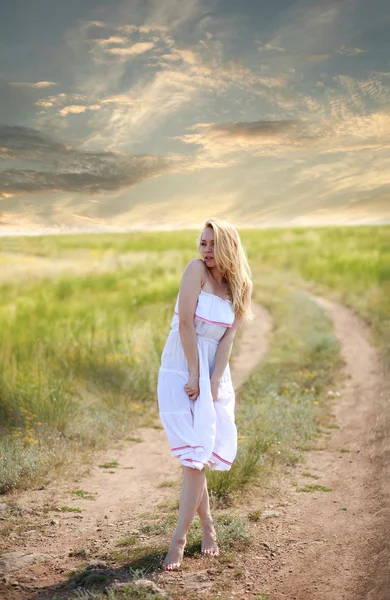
[(317, 546)]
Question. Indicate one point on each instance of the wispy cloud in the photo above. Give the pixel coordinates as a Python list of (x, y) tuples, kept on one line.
[(353, 133), (348, 51), (308, 56), (134, 50), (76, 109), (263, 47), (38, 84), (265, 137), (113, 39), (59, 100), (65, 168)]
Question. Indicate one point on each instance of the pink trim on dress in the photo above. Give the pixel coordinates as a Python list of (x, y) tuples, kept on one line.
[(213, 453), (208, 321), (182, 447), (194, 461), (222, 459)]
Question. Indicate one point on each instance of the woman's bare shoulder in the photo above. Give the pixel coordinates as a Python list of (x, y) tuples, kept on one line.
[(196, 265), (193, 272)]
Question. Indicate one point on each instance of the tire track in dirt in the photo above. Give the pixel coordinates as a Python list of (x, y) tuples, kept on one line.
[(121, 496), (335, 545)]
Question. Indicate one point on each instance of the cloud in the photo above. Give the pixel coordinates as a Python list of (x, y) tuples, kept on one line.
[(308, 32), (263, 47), (367, 210), (257, 137), (65, 168), (75, 109), (134, 50), (338, 132), (94, 24), (173, 14), (145, 106), (29, 144), (279, 81), (38, 84), (188, 56), (308, 56), (63, 97), (113, 39), (349, 51), (173, 76), (254, 129), (375, 87)]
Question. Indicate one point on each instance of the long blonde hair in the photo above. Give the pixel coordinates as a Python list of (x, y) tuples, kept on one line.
[(232, 261)]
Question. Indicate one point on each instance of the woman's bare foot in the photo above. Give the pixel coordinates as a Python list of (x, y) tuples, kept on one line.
[(174, 557), (209, 540)]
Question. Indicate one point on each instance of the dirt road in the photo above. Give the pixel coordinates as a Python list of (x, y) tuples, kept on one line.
[(335, 545)]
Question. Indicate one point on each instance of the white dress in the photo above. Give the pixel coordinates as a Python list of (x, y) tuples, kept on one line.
[(200, 432)]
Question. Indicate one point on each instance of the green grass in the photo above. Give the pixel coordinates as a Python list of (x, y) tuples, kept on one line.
[(349, 264), (146, 555), (87, 582), (314, 488), (78, 363), (128, 592), (85, 495), (283, 403), (169, 483), (97, 245), (306, 474), (109, 465), (127, 541), (254, 515), (79, 354)]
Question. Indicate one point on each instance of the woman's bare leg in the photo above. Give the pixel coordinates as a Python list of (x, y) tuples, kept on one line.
[(190, 497), (209, 537)]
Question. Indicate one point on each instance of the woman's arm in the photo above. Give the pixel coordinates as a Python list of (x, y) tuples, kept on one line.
[(222, 355), (225, 347), (190, 286)]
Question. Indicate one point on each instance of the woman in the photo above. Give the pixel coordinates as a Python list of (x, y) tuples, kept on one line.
[(195, 391)]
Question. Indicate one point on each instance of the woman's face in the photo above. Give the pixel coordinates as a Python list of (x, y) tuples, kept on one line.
[(207, 247)]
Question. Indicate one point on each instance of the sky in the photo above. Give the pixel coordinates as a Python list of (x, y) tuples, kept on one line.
[(157, 114)]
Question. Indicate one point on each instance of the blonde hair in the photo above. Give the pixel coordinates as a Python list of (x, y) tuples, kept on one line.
[(232, 261)]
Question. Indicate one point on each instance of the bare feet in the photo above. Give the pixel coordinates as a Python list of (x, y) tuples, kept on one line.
[(174, 557), (209, 540)]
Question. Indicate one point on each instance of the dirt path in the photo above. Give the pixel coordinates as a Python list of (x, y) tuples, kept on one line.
[(335, 545), (122, 495)]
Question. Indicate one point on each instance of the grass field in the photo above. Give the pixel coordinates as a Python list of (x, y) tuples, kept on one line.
[(83, 321)]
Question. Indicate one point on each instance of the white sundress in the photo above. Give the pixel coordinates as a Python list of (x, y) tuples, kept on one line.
[(200, 432)]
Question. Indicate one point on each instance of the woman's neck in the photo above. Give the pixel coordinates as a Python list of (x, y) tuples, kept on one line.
[(216, 276)]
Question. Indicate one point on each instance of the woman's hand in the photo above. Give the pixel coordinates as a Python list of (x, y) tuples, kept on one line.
[(214, 384), (192, 387)]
